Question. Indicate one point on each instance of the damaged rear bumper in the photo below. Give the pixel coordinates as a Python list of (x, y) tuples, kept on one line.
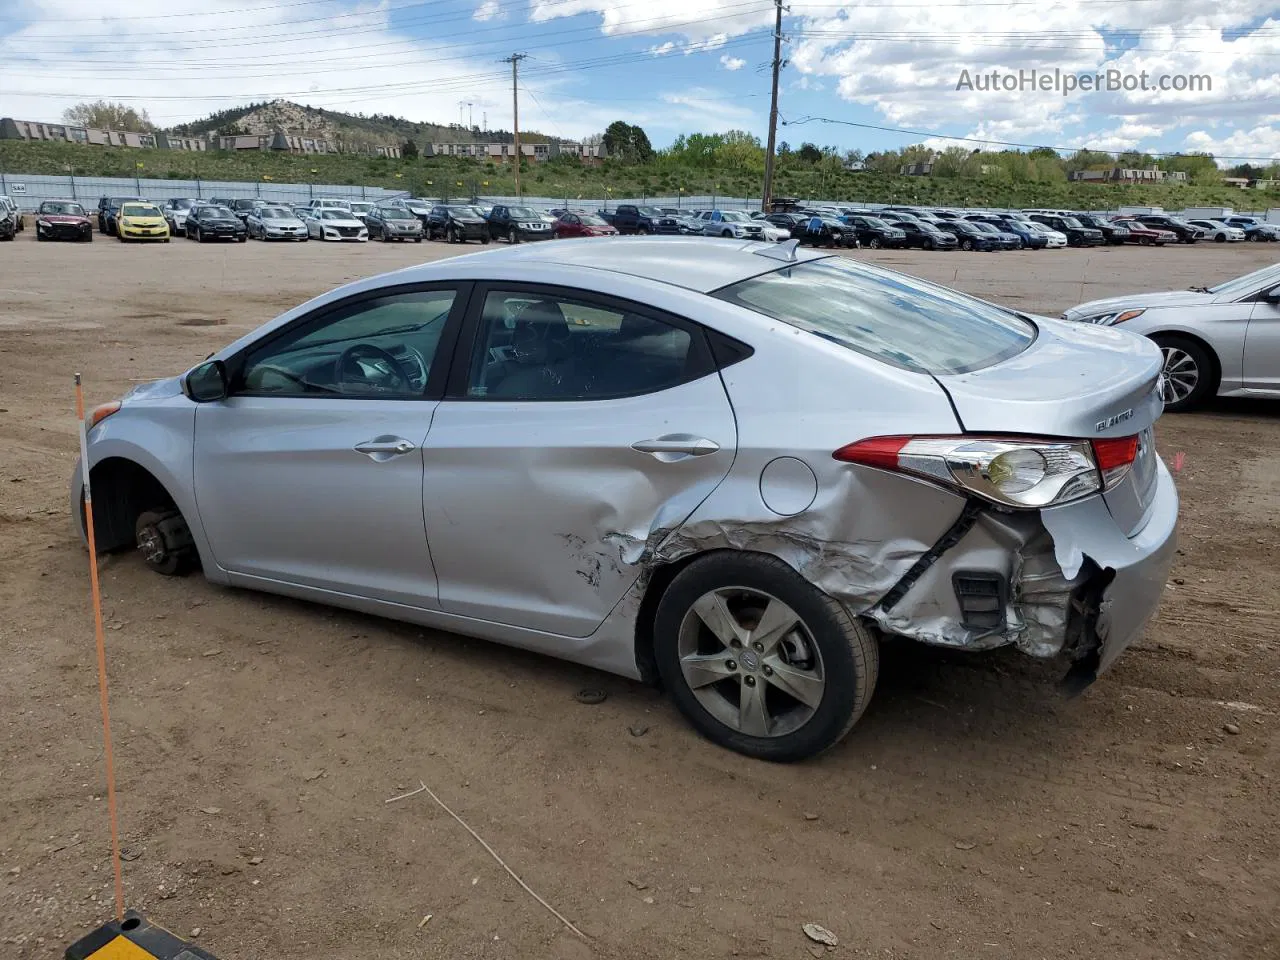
[(1064, 581)]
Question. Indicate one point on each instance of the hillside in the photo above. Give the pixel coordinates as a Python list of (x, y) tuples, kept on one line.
[(295, 118), (568, 179)]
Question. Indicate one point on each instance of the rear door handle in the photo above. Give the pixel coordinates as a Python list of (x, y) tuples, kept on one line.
[(384, 448), (676, 446)]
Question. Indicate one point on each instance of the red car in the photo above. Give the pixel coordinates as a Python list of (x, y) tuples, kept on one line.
[(1139, 232), (574, 224), (63, 220)]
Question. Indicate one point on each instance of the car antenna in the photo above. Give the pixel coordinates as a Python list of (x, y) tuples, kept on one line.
[(785, 251)]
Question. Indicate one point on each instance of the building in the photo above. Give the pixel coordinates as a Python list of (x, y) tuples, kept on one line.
[(588, 153), (1128, 175), (922, 169), (11, 129)]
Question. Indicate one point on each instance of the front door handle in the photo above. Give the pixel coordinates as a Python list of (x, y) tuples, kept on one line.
[(384, 448), (676, 446)]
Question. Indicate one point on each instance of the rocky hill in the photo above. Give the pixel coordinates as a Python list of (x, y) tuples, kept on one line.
[(297, 119)]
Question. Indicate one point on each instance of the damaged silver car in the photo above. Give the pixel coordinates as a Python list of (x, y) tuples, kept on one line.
[(729, 468)]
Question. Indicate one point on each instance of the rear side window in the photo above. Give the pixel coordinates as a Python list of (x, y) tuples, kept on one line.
[(885, 315)]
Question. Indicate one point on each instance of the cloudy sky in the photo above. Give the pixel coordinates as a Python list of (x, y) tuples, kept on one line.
[(673, 66)]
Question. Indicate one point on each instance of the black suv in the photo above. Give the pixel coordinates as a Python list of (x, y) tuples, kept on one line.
[(1112, 233), (109, 209), (923, 234), (824, 232), (517, 223), (209, 222), (873, 232), (1077, 234), (457, 223), (242, 208), (1184, 231)]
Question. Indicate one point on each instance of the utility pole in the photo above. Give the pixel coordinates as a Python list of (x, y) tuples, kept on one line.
[(514, 60), (773, 108)]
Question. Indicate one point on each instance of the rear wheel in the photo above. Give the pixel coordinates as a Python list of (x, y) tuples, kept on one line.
[(966, 244), (453, 235), (874, 243), (1189, 376), (759, 661), (1220, 238), (165, 543)]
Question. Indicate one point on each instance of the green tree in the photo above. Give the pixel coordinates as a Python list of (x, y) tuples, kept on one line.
[(627, 143), (105, 115), (409, 151), (809, 153)]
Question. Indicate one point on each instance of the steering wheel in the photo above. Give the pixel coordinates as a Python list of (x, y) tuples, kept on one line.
[(395, 377)]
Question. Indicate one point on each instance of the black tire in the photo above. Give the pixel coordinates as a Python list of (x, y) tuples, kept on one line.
[(1252, 237), (874, 243), (643, 231), (165, 543), (198, 237), (88, 237), (848, 652), (1206, 367), (728, 234), (1220, 238), (485, 239), (452, 235), (513, 235), (40, 236), (966, 244), (243, 237), (417, 239), (927, 245)]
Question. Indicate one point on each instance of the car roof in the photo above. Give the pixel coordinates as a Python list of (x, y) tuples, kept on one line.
[(695, 263)]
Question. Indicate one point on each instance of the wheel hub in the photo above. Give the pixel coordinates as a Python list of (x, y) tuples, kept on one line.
[(749, 660), (151, 545)]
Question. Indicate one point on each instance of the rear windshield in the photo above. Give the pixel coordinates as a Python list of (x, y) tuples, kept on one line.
[(888, 316)]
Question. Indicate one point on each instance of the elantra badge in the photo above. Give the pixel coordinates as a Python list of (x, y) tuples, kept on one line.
[(1110, 422)]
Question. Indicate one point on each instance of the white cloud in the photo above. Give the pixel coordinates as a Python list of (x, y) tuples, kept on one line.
[(732, 63), (487, 10), (662, 49)]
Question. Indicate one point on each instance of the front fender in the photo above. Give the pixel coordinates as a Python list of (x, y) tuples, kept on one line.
[(159, 438)]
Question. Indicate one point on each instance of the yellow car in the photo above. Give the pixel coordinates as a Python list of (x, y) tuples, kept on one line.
[(141, 221)]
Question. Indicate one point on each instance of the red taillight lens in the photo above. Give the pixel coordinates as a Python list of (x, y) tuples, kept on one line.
[(1115, 458), (879, 452), (1120, 452)]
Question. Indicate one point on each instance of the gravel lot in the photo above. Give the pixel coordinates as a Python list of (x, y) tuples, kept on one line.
[(972, 814)]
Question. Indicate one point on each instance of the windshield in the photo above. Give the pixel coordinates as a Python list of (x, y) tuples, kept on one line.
[(984, 227), (523, 213), (395, 213), (335, 204), (275, 213), (1071, 222), (417, 207), (361, 207), (216, 212), (1039, 227), (64, 209), (181, 204), (140, 210), (1250, 282), (464, 211), (245, 204), (886, 315), (591, 220), (334, 215), (877, 223), (649, 211), (733, 216)]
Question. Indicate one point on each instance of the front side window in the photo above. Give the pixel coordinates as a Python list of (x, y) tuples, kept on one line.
[(885, 315), (380, 349), (536, 347)]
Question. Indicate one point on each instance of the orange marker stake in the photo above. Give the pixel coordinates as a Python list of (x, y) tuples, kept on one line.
[(100, 639)]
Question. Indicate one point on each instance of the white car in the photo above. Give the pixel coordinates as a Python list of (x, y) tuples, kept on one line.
[(1218, 231), (1217, 341), (1056, 239), (330, 203), (774, 233), (330, 223)]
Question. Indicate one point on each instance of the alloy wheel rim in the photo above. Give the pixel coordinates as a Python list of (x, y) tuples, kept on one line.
[(1180, 375), (751, 662)]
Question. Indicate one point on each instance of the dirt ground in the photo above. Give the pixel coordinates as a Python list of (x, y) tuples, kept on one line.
[(973, 813)]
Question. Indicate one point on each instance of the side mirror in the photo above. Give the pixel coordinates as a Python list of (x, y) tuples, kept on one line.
[(207, 382), (1272, 295)]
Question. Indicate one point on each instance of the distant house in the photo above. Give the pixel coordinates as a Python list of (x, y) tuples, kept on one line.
[(855, 166), (588, 153), (922, 169), (1127, 175), (1241, 182)]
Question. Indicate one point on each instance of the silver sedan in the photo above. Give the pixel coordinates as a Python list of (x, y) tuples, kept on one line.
[(732, 467), (1217, 341), (275, 223)]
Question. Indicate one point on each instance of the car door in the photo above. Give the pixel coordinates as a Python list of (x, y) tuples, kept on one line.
[(581, 429), (310, 471), (1262, 344)]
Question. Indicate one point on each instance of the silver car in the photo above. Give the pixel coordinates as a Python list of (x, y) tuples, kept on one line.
[(733, 467), (1217, 341), (275, 223)]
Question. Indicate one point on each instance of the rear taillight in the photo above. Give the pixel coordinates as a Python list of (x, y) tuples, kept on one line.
[(1115, 458), (1022, 472)]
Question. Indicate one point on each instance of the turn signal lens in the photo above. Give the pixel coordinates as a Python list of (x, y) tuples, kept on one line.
[(98, 414)]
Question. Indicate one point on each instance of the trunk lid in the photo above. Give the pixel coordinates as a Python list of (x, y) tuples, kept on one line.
[(1077, 381)]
